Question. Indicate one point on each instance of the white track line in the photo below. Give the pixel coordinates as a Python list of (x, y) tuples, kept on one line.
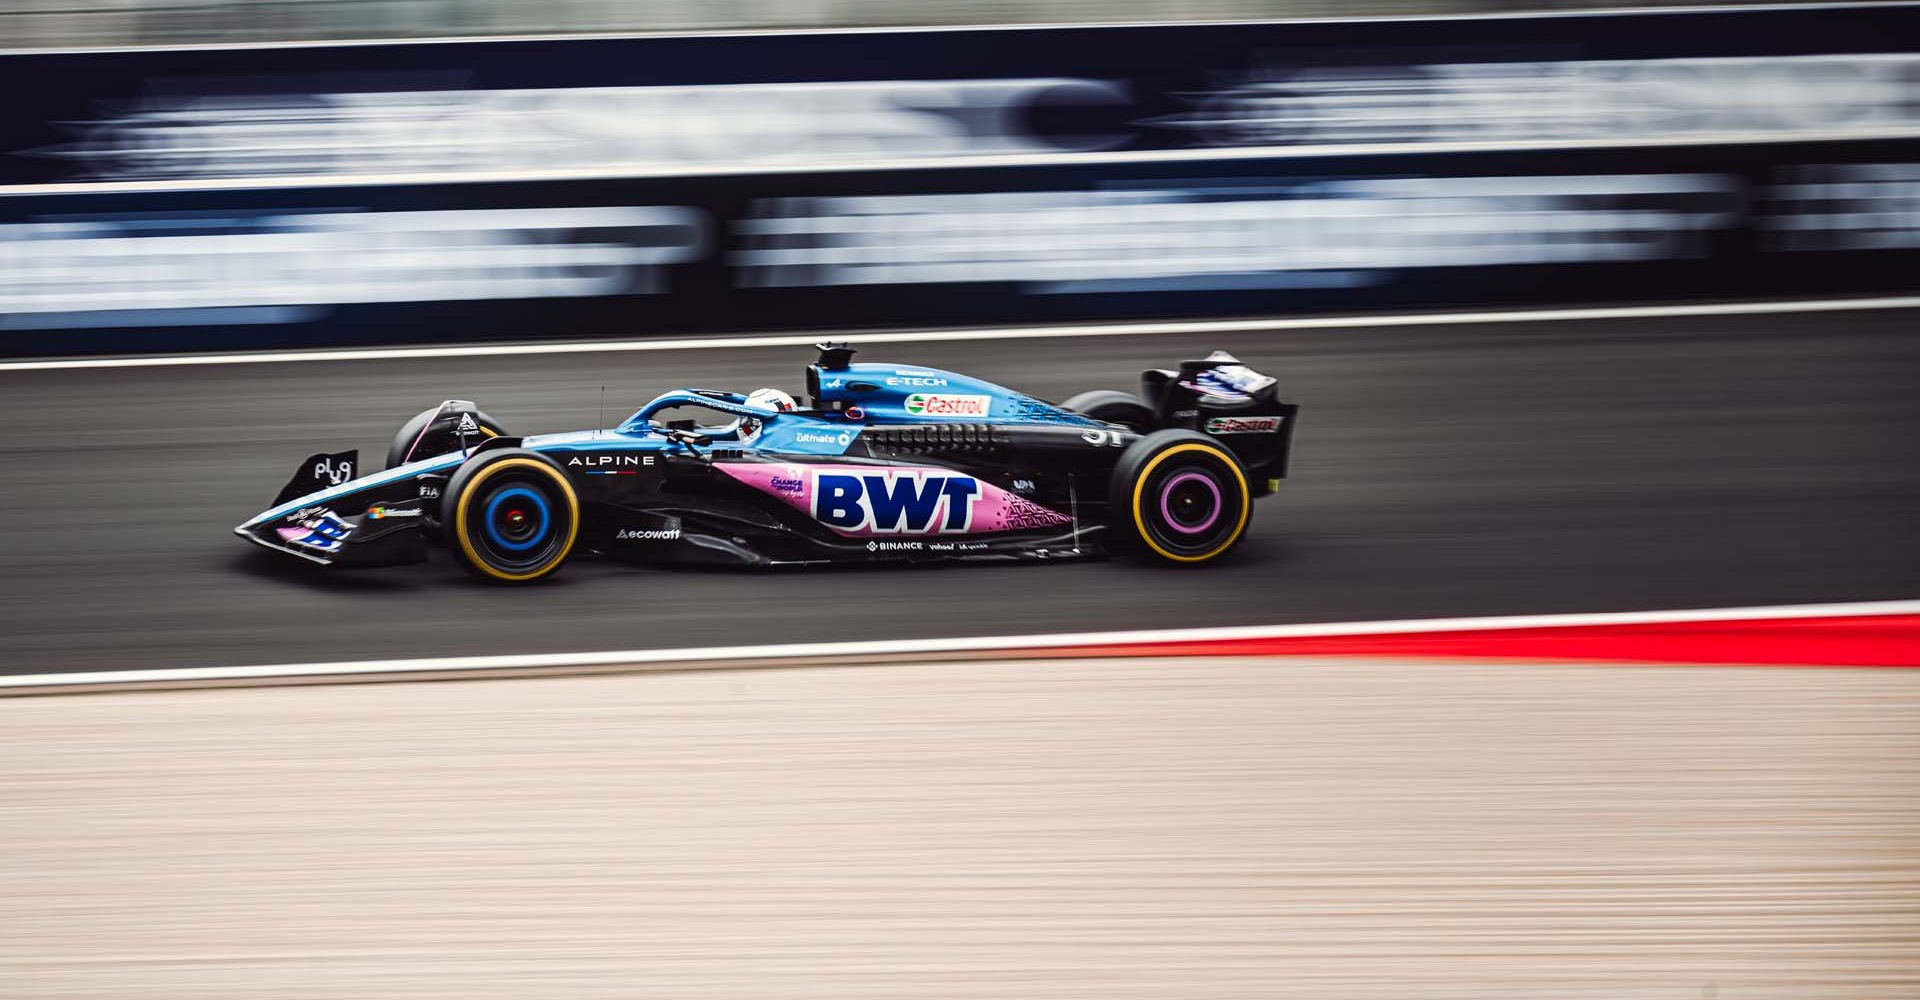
[(1758, 308), (916, 648)]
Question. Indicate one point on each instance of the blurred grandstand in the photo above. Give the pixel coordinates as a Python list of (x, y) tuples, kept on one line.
[(65, 23)]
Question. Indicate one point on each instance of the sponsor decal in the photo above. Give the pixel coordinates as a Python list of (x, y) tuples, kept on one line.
[(894, 546), (604, 460), (936, 404), (648, 534), (332, 473), (917, 501), (1243, 425), (320, 530), (468, 425), (381, 513), (609, 465), (842, 438), (1023, 486), (1231, 380), (791, 481), (864, 501), (918, 381), (955, 546), (1216, 390), (833, 383)]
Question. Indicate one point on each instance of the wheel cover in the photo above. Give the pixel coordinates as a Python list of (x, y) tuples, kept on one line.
[(1191, 502), (517, 519)]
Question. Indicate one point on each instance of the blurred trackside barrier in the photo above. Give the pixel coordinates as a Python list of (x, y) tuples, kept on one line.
[(306, 195), (54, 23)]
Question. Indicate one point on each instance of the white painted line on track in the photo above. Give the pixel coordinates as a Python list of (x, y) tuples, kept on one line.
[(769, 655), (1129, 329)]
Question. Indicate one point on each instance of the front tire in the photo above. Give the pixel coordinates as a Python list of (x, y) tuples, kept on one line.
[(415, 440), (1178, 497), (511, 515)]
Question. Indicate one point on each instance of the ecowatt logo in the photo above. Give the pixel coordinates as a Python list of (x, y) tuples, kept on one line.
[(648, 535)]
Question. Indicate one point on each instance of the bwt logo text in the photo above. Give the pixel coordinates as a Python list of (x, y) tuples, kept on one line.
[(915, 502)]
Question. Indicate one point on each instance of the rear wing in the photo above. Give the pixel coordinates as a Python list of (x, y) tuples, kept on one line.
[(1224, 399)]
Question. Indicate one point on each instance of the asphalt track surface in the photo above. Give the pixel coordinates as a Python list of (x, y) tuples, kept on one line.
[(1523, 468)]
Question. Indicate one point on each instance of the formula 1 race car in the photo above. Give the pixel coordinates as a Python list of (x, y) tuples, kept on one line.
[(889, 463)]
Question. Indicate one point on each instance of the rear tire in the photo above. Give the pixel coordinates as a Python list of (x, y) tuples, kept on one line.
[(1114, 407), (439, 441), (1178, 497), (511, 515)]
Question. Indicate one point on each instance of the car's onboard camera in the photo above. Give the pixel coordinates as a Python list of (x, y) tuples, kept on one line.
[(887, 463)]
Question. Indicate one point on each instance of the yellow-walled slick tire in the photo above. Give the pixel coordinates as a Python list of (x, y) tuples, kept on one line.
[(1178, 497), (511, 515)]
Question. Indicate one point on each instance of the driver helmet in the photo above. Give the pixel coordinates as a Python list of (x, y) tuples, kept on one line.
[(772, 399)]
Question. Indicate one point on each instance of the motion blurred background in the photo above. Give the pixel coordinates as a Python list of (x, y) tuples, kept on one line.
[(161, 22)]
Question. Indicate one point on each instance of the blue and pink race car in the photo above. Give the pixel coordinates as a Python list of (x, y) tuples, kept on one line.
[(884, 463)]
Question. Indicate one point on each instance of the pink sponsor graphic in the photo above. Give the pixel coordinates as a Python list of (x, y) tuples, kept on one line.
[(870, 501)]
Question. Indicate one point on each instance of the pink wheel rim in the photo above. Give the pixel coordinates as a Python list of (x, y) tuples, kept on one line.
[(1166, 503)]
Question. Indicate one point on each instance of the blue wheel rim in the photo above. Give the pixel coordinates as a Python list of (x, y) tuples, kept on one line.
[(542, 519)]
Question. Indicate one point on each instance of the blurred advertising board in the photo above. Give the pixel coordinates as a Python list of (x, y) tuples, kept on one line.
[(238, 197)]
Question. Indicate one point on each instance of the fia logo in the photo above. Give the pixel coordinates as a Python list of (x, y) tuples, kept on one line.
[(895, 502)]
